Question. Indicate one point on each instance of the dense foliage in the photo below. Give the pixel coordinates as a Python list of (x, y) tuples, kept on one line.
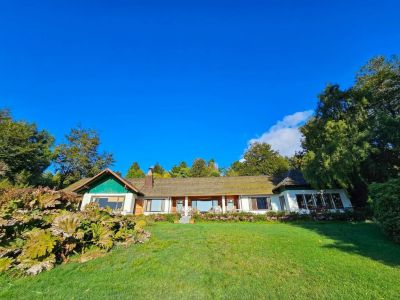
[(80, 156), (260, 159), (40, 227), (386, 201), (354, 138), (25, 152), (134, 171)]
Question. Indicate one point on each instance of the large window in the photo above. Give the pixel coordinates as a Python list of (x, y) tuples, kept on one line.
[(155, 205), (114, 202), (230, 205), (309, 201), (301, 203), (318, 200), (328, 201), (260, 203), (282, 202), (179, 205), (337, 200), (204, 205)]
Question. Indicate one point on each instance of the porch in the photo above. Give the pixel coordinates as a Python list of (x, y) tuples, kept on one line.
[(217, 204)]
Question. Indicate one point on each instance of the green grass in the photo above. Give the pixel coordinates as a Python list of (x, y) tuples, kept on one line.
[(231, 261)]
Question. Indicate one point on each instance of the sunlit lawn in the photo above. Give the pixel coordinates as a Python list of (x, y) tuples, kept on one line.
[(231, 261)]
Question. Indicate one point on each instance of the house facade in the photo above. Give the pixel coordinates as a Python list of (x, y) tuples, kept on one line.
[(255, 194)]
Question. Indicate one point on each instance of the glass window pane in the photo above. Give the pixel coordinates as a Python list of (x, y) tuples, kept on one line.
[(328, 201), (261, 203), (337, 200), (115, 203), (230, 204), (204, 205), (156, 205), (214, 203), (318, 200), (309, 201), (179, 205), (300, 201), (282, 202)]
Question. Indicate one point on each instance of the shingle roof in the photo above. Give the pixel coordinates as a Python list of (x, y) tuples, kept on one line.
[(207, 186), (292, 178)]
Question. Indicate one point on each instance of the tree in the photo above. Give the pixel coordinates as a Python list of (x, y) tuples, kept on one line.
[(354, 138), (80, 157), (260, 159), (180, 171), (135, 171), (213, 170), (159, 171), (199, 168), (24, 150)]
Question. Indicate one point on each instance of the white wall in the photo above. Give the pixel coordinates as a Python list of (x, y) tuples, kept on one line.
[(129, 203)]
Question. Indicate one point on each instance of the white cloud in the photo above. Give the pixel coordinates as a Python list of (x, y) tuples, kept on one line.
[(285, 136)]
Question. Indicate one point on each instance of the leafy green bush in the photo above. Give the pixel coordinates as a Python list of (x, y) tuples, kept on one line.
[(40, 228), (282, 216), (386, 204)]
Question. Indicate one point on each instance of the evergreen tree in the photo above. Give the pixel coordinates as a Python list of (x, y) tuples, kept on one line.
[(135, 171), (80, 157), (25, 152)]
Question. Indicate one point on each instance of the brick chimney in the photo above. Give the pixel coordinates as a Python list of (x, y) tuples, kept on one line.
[(149, 180)]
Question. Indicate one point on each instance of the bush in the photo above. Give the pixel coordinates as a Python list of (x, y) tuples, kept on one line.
[(40, 228), (281, 216), (386, 205)]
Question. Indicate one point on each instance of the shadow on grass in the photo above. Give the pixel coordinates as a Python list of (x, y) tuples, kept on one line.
[(362, 238)]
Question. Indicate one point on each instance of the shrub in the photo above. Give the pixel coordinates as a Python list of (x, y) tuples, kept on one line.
[(386, 205), (40, 228)]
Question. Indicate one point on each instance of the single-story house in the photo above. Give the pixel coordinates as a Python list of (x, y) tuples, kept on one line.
[(255, 194)]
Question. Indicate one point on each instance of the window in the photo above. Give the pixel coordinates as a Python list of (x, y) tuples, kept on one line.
[(179, 205), (114, 202), (155, 205), (309, 201), (260, 203), (204, 205), (230, 205), (328, 201), (300, 201), (337, 201), (282, 202), (318, 200)]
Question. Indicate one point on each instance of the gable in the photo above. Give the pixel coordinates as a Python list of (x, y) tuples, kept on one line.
[(108, 185)]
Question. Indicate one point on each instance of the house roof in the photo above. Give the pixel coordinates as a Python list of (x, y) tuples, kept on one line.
[(84, 183), (207, 186), (293, 178), (201, 186)]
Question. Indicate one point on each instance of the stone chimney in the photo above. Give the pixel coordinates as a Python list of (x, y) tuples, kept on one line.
[(149, 180)]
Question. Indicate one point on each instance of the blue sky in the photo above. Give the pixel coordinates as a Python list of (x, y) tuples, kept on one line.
[(165, 81)]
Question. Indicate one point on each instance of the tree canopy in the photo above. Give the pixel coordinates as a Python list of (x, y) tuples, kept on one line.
[(25, 151), (80, 156), (260, 159), (180, 171), (135, 171), (354, 138)]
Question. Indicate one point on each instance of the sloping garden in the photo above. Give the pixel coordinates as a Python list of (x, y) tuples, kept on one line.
[(40, 228)]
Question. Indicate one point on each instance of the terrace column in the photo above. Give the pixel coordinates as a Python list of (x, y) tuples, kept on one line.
[(186, 205), (223, 205)]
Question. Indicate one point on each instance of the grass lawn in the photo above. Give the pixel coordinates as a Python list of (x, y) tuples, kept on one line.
[(232, 261)]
